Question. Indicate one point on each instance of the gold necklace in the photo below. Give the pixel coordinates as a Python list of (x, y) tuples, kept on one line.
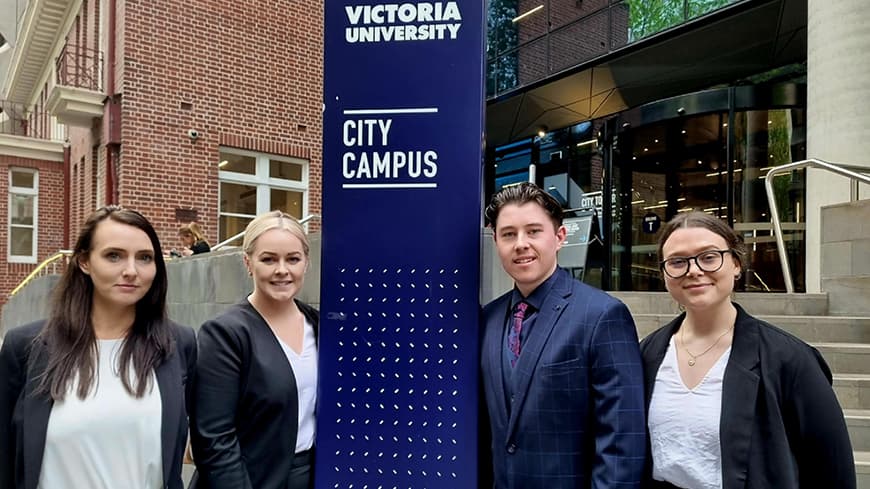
[(691, 361)]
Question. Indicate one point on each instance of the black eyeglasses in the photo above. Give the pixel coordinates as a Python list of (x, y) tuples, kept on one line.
[(707, 261)]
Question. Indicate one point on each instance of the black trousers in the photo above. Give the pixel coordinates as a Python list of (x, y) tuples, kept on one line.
[(301, 473)]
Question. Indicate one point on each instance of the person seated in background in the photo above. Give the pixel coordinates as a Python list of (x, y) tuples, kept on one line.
[(193, 240)]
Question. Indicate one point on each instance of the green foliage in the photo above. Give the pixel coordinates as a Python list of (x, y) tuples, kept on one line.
[(501, 37), (648, 17)]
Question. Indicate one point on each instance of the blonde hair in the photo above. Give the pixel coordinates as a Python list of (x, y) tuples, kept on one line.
[(192, 230), (269, 221)]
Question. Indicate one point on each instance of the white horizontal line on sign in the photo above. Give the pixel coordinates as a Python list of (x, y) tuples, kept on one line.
[(389, 185), (420, 110)]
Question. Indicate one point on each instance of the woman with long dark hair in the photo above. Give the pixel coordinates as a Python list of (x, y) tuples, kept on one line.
[(94, 396)]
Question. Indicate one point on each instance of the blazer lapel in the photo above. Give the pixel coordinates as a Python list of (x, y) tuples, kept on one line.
[(739, 394), (657, 348), (36, 411), (551, 310), (169, 382)]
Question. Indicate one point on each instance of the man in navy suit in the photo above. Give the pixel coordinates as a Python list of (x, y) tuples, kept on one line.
[(560, 363)]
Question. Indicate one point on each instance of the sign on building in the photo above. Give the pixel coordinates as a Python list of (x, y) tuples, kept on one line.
[(403, 103)]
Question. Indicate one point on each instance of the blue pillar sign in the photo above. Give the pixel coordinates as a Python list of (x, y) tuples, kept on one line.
[(403, 126)]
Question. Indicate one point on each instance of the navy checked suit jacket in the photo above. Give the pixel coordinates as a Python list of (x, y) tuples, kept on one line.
[(577, 418)]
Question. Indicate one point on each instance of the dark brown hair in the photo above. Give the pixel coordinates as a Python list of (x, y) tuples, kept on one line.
[(69, 335), (520, 194), (703, 220)]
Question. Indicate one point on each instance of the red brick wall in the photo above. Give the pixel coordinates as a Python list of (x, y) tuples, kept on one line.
[(50, 208), (578, 32), (206, 65), (84, 152)]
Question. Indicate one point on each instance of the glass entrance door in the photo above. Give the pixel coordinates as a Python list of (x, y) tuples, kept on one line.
[(662, 169)]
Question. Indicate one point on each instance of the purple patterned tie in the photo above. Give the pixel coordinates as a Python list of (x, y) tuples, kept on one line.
[(516, 330)]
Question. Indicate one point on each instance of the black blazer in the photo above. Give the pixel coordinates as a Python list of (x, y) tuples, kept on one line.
[(24, 416), (245, 418), (781, 425)]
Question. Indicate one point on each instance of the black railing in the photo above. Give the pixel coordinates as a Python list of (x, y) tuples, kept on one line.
[(14, 120), (80, 67)]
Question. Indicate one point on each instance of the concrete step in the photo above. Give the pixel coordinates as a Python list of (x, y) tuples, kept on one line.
[(830, 329), (758, 304), (858, 422), (846, 358), (853, 390), (862, 468), (848, 295)]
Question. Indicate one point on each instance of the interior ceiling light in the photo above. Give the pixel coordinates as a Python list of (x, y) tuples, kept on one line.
[(530, 12)]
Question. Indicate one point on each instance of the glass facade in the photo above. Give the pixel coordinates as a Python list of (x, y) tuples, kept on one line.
[(530, 40), (625, 176)]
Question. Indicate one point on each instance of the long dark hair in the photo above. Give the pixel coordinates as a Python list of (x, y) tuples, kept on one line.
[(71, 344)]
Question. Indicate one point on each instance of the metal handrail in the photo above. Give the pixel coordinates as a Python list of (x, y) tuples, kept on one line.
[(37, 272), (840, 169), (239, 235)]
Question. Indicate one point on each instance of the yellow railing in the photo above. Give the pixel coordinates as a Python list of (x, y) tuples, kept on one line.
[(61, 256)]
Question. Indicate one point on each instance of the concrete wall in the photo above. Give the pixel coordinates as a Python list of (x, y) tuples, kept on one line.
[(845, 257), (838, 110), (28, 305), (202, 286)]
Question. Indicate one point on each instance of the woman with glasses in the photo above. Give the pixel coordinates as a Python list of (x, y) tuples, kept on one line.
[(733, 401)]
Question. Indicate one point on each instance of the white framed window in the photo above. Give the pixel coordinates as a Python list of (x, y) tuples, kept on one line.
[(23, 215), (252, 183)]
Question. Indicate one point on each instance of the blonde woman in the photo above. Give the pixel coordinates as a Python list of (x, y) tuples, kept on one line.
[(193, 240), (253, 422)]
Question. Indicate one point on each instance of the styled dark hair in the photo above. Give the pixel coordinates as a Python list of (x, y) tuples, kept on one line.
[(703, 220), (69, 334), (520, 194)]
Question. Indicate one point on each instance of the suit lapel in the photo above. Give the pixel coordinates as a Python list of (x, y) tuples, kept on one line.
[(494, 351), (551, 310), (36, 411), (169, 382), (739, 395)]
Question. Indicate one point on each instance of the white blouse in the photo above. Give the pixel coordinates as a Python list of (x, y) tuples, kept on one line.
[(684, 425), (108, 440), (304, 366)]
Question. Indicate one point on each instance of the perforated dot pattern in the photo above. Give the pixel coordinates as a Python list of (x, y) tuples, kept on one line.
[(398, 379)]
